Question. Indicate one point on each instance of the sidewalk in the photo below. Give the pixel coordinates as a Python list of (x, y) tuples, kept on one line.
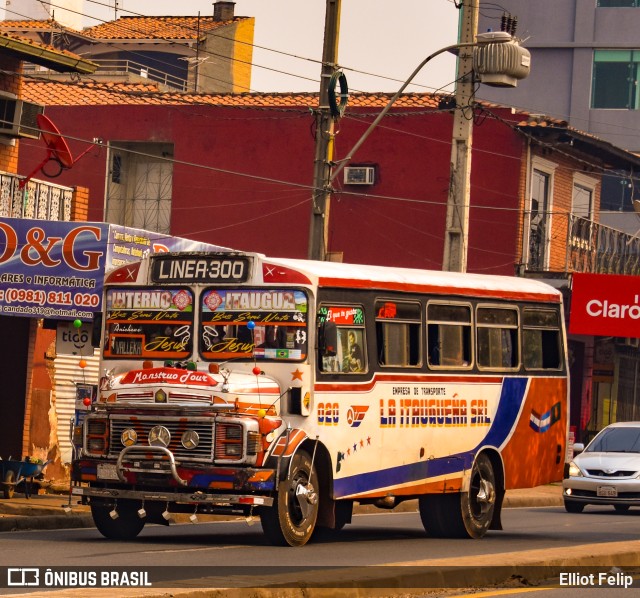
[(50, 511)]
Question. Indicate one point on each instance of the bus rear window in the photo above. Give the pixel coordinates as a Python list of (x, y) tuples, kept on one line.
[(149, 323)]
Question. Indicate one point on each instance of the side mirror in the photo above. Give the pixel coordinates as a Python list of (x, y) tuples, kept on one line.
[(578, 447), (328, 344)]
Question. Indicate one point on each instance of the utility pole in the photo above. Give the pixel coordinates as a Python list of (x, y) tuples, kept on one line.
[(457, 232), (319, 228)]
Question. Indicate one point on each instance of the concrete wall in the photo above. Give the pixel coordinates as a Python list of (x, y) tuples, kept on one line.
[(561, 37)]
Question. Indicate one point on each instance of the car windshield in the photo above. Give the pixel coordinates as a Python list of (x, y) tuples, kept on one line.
[(616, 440)]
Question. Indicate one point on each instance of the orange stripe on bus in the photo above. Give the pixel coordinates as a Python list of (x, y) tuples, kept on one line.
[(439, 487)]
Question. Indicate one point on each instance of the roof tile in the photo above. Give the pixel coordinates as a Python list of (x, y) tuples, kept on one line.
[(59, 93), (181, 27), (5, 35)]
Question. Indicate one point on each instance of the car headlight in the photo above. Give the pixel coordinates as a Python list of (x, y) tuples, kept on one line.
[(574, 470)]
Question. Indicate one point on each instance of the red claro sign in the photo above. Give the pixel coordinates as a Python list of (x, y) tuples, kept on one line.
[(605, 305)]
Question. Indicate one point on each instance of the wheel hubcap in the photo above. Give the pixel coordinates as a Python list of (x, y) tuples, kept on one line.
[(486, 496), (306, 497)]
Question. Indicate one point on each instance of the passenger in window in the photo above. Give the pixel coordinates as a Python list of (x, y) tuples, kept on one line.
[(355, 358)]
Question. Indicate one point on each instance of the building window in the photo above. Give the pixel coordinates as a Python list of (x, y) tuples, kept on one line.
[(615, 79), (582, 211), (539, 217), (116, 169), (140, 185)]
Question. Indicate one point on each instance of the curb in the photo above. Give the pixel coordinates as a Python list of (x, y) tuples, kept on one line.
[(13, 523)]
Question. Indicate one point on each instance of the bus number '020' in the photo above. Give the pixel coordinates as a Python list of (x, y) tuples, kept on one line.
[(328, 414)]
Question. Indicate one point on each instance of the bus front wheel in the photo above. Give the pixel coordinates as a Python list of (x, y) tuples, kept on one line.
[(465, 514), (125, 526), (292, 518)]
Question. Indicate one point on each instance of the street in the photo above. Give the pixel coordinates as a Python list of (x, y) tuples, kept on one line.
[(229, 554)]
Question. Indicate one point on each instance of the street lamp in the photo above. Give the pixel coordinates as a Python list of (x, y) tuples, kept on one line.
[(488, 73), (494, 67)]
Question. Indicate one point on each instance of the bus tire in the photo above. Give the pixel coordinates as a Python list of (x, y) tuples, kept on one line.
[(125, 527), (465, 514), (292, 518), (434, 513)]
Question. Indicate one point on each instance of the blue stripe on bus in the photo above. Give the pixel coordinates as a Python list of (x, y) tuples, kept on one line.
[(511, 398)]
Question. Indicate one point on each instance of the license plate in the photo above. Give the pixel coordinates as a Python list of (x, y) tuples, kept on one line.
[(107, 471), (607, 491)]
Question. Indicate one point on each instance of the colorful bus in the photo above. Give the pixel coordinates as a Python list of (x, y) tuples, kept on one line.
[(289, 390)]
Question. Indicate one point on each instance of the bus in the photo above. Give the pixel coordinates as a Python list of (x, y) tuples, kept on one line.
[(288, 390)]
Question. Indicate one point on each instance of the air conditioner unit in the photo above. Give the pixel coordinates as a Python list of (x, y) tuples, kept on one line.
[(359, 175), (18, 118)]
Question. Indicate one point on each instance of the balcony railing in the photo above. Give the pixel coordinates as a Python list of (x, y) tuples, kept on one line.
[(599, 249), (123, 67), (120, 68), (38, 200)]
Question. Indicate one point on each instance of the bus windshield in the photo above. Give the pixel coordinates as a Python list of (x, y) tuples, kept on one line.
[(279, 318), (149, 323)]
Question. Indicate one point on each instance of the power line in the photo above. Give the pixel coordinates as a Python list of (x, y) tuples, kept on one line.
[(213, 34)]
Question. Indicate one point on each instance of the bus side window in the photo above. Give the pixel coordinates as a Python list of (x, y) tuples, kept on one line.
[(449, 335), (398, 333), (541, 339), (341, 339), (497, 337)]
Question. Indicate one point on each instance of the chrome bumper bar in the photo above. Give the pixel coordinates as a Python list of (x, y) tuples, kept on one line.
[(200, 498)]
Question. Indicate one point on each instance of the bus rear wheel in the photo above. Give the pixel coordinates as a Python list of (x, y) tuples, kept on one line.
[(292, 518), (126, 526), (465, 514)]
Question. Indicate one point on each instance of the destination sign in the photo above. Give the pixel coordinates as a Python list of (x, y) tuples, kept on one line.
[(205, 269)]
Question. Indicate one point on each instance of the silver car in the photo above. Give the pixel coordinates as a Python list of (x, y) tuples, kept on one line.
[(607, 471)]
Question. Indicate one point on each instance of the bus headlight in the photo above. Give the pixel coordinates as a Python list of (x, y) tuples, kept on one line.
[(128, 437), (96, 437)]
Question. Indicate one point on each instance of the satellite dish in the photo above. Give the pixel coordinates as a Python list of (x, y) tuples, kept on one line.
[(57, 151)]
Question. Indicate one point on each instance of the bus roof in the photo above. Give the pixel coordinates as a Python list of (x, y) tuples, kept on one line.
[(341, 275)]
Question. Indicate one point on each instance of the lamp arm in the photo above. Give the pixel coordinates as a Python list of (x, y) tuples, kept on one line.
[(392, 101)]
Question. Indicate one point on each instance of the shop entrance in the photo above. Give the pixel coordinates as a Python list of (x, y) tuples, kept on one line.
[(14, 350)]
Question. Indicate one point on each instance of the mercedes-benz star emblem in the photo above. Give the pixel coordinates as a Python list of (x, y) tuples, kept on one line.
[(159, 436)]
